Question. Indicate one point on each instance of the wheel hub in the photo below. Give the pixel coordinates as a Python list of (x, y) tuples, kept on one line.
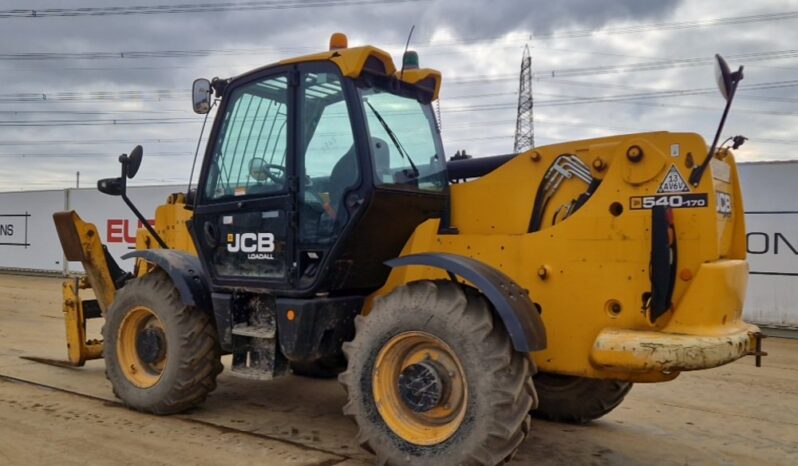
[(422, 386), (150, 345), (419, 388)]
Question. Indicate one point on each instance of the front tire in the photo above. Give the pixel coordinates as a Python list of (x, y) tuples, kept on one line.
[(433, 379), (568, 398), (161, 355)]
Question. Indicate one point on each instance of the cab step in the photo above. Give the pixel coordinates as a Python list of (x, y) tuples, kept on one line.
[(257, 358), (260, 331), (255, 347)]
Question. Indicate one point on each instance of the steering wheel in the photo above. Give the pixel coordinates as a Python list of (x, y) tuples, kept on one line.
[(260, 170)]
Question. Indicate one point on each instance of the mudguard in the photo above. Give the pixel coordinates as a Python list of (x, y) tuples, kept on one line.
[(185, 271), (512, 303)]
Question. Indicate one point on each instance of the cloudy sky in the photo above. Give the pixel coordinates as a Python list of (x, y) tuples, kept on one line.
[(79, 90)]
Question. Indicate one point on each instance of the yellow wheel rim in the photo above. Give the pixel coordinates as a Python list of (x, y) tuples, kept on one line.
[(141, 347), (399, 390)]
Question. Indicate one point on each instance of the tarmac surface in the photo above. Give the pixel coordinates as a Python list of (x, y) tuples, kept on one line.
[(732, 415)]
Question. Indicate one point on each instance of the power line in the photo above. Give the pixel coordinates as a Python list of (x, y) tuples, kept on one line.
[(22, 13), (149, 95), (512, 105), (85, 112), (666, 93), (87, 154), (630, 97), (185, 8), (666, 63), (633, 67), (618, 98), (172, 94), (93, 142), (695, 24), (100, 122), (36, 56)]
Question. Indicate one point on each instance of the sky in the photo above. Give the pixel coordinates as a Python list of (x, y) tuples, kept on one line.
[(79, 89)]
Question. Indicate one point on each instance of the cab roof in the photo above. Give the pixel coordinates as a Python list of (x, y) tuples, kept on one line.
[(354, 61)]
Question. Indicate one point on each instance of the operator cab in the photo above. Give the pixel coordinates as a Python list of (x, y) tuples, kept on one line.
[(316, 164)]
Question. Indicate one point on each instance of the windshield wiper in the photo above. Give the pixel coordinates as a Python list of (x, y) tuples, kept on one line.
[(395, 140)]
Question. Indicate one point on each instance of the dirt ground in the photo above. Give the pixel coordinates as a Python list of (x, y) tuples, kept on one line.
[(733, 415)]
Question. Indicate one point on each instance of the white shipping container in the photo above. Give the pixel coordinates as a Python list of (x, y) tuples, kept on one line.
[(27, 231), (28, 240), (770, 195)]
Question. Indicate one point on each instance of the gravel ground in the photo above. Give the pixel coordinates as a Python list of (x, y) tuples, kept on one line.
[(737, 414)]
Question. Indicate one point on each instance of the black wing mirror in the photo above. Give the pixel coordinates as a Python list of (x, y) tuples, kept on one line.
[(111, 186), (130, 166), (727, 81), (118, 187), (132, 162)]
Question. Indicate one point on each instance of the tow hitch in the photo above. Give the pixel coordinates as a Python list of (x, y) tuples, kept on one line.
[(757, 352)]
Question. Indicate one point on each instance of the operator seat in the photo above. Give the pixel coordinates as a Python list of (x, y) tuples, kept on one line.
[(344, 174), (382, 160), (342, 177)]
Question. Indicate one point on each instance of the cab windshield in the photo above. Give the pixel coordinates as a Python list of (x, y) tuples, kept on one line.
[(405, 142)]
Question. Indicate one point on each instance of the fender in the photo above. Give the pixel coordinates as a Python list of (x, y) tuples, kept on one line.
[(185, 271), (512, 303)]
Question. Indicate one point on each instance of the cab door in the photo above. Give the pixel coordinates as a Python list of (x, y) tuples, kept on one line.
[(330, 161), (245, 201)]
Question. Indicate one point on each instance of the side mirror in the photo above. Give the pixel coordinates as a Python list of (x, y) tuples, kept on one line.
[(727, 81), (111, 186), (201, 96), (133, 161)]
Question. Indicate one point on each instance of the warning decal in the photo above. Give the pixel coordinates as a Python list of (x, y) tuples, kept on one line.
[(673, 182)]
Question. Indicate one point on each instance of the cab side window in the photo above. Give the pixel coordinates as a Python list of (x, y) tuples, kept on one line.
[(250, 153)]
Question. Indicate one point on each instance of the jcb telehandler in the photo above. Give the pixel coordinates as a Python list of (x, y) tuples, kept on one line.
[(328, 235)]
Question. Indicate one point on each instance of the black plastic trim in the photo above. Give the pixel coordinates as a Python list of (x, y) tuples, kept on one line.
[(317, 327), (222, 313), (512, 303), (185, 271), (663, 263)]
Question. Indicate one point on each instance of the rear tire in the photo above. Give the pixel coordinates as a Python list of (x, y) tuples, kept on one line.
[(567, 398), (161, 355), (484, 414)]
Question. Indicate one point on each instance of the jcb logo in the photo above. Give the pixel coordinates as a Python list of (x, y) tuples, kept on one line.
[(724, 204), (250, 242)]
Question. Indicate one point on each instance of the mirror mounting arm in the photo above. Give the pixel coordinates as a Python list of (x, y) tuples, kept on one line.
[(698, 172), (124, 160)]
